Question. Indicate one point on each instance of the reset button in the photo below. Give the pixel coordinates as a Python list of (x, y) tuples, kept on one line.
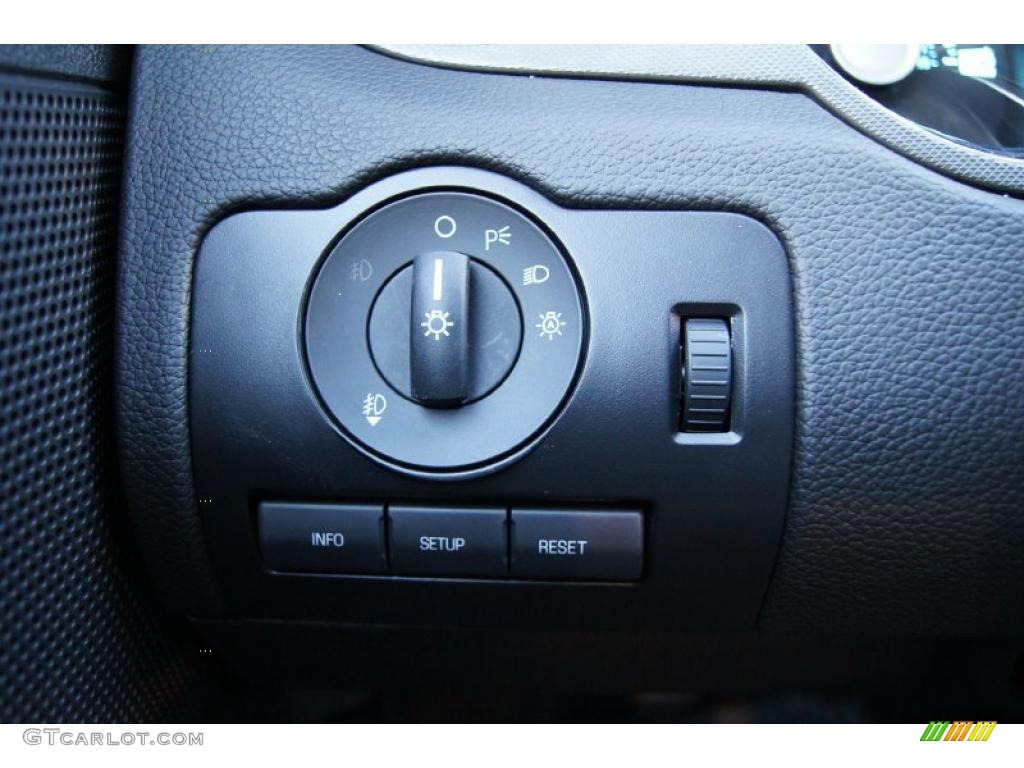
[(577, 544)]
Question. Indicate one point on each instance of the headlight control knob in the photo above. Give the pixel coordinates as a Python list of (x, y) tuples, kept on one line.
[(443, 332), (446, 330)]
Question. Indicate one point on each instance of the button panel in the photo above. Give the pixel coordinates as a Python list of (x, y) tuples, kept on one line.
[(706, 569), (577, 544), (460, 542)]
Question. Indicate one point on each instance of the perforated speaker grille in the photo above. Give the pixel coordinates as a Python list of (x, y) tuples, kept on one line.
[(77, 641)]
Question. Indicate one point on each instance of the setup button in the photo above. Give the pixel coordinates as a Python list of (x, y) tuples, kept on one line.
[(432, 541)]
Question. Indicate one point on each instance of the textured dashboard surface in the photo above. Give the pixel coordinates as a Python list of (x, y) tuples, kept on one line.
[(905, 512), (81, 638), (794, 67), (100, 63)]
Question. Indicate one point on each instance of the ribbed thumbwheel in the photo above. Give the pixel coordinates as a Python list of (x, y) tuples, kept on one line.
[(707, 375)]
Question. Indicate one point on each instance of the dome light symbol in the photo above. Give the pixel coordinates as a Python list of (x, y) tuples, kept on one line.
[(436, 324), (551, 324)]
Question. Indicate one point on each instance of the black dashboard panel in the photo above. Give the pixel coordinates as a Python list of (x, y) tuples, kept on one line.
[(713, 502), (904, 512), (901, 548)]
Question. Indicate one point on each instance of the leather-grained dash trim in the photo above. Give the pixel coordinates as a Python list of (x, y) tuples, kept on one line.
[(790, 67)]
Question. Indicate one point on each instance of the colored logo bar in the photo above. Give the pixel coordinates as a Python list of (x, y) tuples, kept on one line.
[(960, 730)]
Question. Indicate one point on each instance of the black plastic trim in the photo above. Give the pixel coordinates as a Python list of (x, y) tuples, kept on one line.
[(715, 509)]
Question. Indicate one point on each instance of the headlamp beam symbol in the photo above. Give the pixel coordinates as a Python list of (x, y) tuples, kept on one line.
[(436, 324)]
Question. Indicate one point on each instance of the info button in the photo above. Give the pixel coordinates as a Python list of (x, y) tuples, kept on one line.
[(577, 544), (326, 538), (432, 541)]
